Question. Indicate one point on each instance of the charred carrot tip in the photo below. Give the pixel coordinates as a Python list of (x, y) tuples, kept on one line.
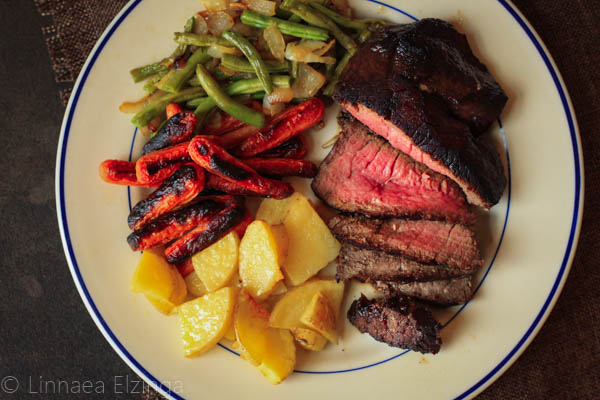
[(120, 173), (172, 109), (180, 188)]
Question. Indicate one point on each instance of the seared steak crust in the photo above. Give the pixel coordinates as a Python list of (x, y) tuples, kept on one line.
[(444, 292), (429, 242), (364, 173), (372, 265), (419, 86), (397, 321)]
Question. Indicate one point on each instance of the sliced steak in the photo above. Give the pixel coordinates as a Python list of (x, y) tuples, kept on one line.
[(372, 265), (420, 87), (429, 242), (397, 321), (444, 292), (364, 173)]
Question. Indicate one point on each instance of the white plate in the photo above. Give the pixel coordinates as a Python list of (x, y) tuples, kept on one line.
[(528, 240)]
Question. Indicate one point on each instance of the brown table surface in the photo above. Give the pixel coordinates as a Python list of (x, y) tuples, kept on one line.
[(45, 332)]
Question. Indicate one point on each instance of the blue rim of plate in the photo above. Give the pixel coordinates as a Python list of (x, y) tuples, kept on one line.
[(479, 385)]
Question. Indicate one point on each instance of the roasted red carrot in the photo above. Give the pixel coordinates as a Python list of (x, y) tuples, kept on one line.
[(172, 109), (237, 136), (179, 128), (292, 148), (290, 123), (120, 173), (214, 159), (226, 122), (175, 191), (222, 185), (155, 167), (174, 224), (207, 233), (279, 167)]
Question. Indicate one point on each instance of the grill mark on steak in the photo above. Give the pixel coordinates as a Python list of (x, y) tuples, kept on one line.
[(363, 173), (397, 321), (429, 242), (381, 87), (453, 291), (369, 265)]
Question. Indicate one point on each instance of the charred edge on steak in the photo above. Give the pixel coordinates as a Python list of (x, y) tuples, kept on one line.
[(371, 265), (364, 173), (397, 321), (420, 86)]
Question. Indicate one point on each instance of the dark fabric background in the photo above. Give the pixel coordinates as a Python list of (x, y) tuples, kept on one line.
[(45, 331)]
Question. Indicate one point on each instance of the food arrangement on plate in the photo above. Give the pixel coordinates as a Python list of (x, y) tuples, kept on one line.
[(225, 116)]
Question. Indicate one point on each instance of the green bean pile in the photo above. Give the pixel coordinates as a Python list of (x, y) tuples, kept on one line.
[(303, 54)]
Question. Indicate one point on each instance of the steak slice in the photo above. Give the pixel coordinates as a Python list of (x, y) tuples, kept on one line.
[(429, 242), (420, 87), (445, 292), (363, 173), (397, 321), (372, 265)]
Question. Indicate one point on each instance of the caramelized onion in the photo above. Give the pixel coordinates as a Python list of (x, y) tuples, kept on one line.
[(275, 41), (264, 7), (219, 22), (309, 81)]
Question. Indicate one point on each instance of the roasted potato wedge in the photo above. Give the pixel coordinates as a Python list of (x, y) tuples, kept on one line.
[(279, 360), (159, 281), (205, 320), (260, 259), (274, 211), (217, 264), (194, 284), (311, 246), (272, 350), (309, 339), (320, 316), (289, 310)]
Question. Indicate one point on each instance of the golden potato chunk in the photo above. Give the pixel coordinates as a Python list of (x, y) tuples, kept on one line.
[(288, 311), (311, 246), (274, 211), (217, 264), (259, 260), (205, 320), (309, 339), (272, 350), (281, 237), (159, 281), (194, 284), (279, 360), (320, 316)]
